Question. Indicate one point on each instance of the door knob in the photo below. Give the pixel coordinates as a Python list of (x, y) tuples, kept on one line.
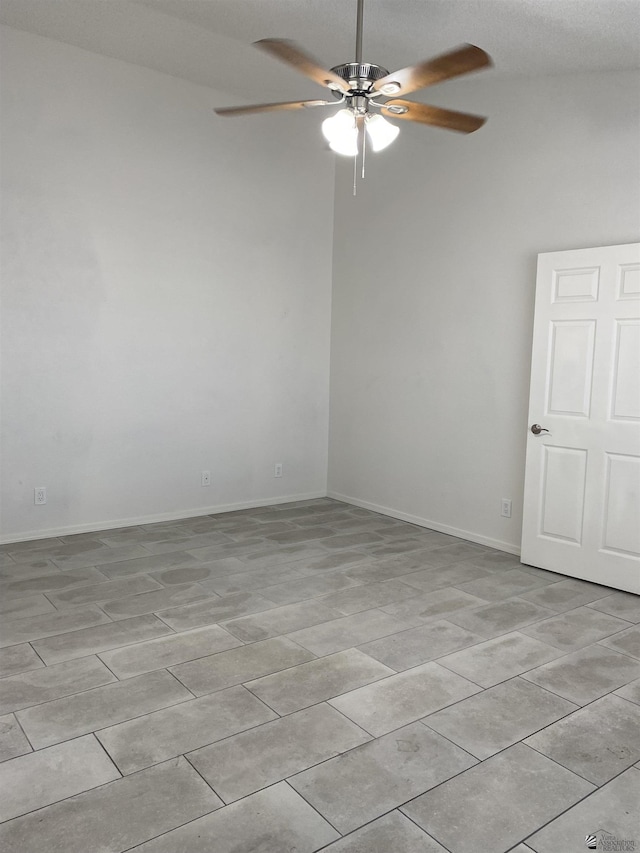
[(536, 429)]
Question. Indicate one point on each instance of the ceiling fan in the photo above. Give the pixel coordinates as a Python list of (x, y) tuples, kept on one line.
[(369, 93)]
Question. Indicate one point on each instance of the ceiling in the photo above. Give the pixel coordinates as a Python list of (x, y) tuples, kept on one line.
[(208, 41)]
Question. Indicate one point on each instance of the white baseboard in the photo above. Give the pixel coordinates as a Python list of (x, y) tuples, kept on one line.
[(468, 535), (97, 526)]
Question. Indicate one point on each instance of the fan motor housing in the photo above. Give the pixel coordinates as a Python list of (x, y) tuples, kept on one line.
[(359, 75)]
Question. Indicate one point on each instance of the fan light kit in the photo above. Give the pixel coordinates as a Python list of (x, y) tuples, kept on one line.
[(359, 87)]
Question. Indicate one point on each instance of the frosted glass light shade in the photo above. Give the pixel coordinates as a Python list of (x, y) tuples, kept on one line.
[(341, 133), (381, 132)]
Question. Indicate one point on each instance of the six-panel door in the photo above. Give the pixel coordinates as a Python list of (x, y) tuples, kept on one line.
[(582, 478)]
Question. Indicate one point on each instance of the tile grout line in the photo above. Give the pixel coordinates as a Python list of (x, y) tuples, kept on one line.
[(206, 782), (86, 790), (109, 725), (26, 736), (408, 817), (311, 806), (102, 747), (569, 770), (568, 809)]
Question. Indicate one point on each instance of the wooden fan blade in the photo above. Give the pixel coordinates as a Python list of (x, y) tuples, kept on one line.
[(460, 61), (289, 52), (423, 113), (269, 108)]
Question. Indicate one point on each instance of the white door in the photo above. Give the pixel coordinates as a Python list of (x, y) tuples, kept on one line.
[(582, 476)]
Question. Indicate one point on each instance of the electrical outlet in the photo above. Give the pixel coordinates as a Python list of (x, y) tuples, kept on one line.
[(505, 505), (40, 495), (205, 479), (277, 471)]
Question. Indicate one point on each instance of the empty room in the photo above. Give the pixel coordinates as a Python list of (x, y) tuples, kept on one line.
[(320, 426)]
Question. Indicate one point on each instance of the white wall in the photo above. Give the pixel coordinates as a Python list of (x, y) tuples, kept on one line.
[(166, 300), (434, 277), (167, 293)]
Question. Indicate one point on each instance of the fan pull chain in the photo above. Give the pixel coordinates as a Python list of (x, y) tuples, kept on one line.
[(364, 149), (355, 174), (355, 159), (361, 140)]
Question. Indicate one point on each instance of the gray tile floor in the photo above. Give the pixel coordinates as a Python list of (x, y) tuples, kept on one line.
[(306, 677)]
